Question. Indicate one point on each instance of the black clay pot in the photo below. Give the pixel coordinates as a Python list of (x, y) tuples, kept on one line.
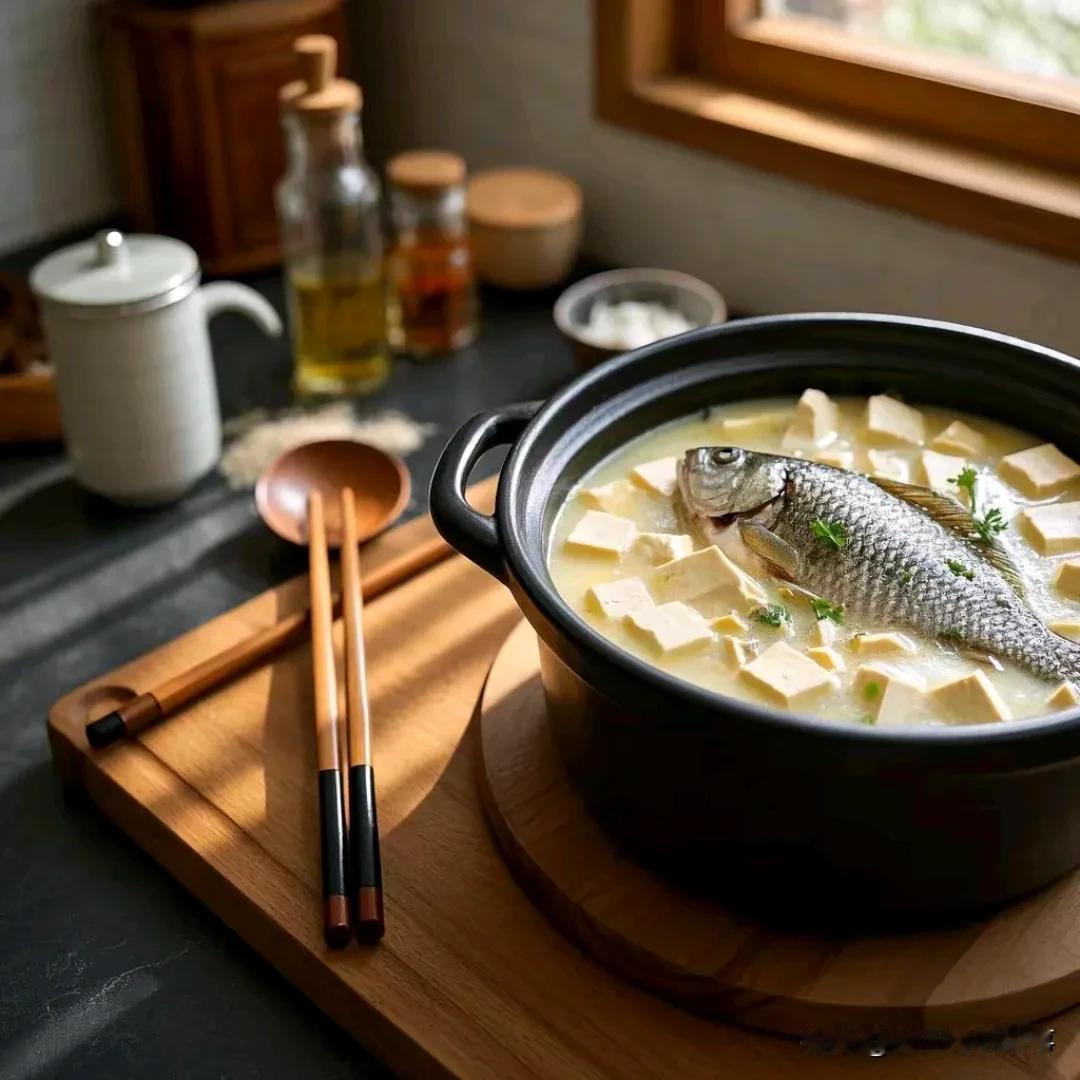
[(748, 801)]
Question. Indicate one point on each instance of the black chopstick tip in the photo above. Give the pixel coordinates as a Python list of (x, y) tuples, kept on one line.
[(106, 731), (337, 933)]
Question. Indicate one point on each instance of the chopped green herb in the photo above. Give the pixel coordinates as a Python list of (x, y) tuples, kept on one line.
[(905, 577), (822, 609), (959, 569), (990, 524), (950, 633), (774, 615), (829, 532), (872, 691), (1002, 601), (966, 479), (867, 719)]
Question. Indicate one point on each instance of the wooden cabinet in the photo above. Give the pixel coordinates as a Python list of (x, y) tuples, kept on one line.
[(193, 93)]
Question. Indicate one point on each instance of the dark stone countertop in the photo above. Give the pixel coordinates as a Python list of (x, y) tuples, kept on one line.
[(107, 966)]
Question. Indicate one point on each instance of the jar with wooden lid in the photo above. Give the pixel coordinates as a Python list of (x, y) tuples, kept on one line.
[(525, 226), (432, 286), (329, 207)]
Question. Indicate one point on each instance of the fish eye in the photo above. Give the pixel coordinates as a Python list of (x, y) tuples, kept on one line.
[(725, 455)]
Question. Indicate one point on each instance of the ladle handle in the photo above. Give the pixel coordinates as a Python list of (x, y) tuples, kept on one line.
[(474, 534)]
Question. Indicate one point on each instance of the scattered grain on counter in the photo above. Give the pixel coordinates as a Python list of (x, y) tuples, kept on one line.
[(258, 437)]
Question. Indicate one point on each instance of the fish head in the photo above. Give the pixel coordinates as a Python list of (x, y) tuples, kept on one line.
[(719, 485)]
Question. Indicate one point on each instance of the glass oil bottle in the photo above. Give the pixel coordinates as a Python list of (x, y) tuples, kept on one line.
[(328, 207), (430, 267)]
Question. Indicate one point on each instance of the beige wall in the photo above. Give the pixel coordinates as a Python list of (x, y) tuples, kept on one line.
[(509, 81), (54, 156)]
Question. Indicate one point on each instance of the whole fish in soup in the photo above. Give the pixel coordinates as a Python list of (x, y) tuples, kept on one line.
[(856, 560), (884, 549)]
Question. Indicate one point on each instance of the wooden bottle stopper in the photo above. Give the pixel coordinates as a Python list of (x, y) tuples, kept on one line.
[(318, 91)]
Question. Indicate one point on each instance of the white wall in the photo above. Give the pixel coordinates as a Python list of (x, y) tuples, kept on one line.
[(509, 81), (54, 165)]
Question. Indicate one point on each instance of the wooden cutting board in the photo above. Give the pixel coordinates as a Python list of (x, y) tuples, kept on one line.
[(471, 979)]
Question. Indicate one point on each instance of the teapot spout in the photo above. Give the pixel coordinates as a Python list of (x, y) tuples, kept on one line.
[(221, 296)]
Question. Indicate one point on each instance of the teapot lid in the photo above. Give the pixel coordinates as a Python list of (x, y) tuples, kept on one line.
[(132, 273)]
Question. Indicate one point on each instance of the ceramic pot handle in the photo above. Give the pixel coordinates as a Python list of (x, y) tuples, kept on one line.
[(474, 534), (232, 296)]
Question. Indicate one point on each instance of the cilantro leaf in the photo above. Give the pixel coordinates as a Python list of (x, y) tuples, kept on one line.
[(867, 719), (965, 479), (822, 609), (990, 524), (774, 615), (959, 569), (831, 533)]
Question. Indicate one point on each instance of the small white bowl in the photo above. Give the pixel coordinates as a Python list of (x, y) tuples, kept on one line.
[(700, 304)]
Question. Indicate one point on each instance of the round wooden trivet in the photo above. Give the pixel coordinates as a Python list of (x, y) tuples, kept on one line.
[(1015, 967)]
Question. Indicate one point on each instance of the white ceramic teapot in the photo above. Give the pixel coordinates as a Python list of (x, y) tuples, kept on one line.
[(125, 321)]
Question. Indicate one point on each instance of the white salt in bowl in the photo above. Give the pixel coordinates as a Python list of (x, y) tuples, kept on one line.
[(699, 304)]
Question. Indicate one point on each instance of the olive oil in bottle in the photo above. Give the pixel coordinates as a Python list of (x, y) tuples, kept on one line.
[(339, 331), (328, 206)]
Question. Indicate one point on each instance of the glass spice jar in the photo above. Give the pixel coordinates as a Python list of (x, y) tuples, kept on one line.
[(430, 268), (331, 232)]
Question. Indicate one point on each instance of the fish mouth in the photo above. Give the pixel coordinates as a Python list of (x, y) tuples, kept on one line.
[(722, 522)]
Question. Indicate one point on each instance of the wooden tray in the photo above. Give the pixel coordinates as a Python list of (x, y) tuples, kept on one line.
[(471, 980)]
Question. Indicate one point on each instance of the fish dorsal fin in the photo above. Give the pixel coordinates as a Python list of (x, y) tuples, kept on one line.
[(946, 511)]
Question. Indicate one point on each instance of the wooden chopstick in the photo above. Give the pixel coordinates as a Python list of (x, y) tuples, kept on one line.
[(336, 927), (365, 862), (174, 694)]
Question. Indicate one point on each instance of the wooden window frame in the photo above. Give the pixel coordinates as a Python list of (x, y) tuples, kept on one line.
[(940, 138)]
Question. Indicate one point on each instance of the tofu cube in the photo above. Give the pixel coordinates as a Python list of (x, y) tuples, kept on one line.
[(602, 534), (657, 477), (824, 632), (893, 698), (758, 426), (890, 422), (838, 459), (786, 676), (1067, 578), (871, 680), (1064, 696), (731, 623), (888, 466), (959, 438), (828, 658), (737, 652), (814, 420), (971, 699), (669, 628), (618, 598), (605, 497), (938, 469), (710, 573), (1069, 628), (885, 644), (1039, 472), (662, 547), (1053, 529)]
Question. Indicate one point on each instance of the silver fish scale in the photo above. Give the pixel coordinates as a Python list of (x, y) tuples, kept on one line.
[(894, 569)]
